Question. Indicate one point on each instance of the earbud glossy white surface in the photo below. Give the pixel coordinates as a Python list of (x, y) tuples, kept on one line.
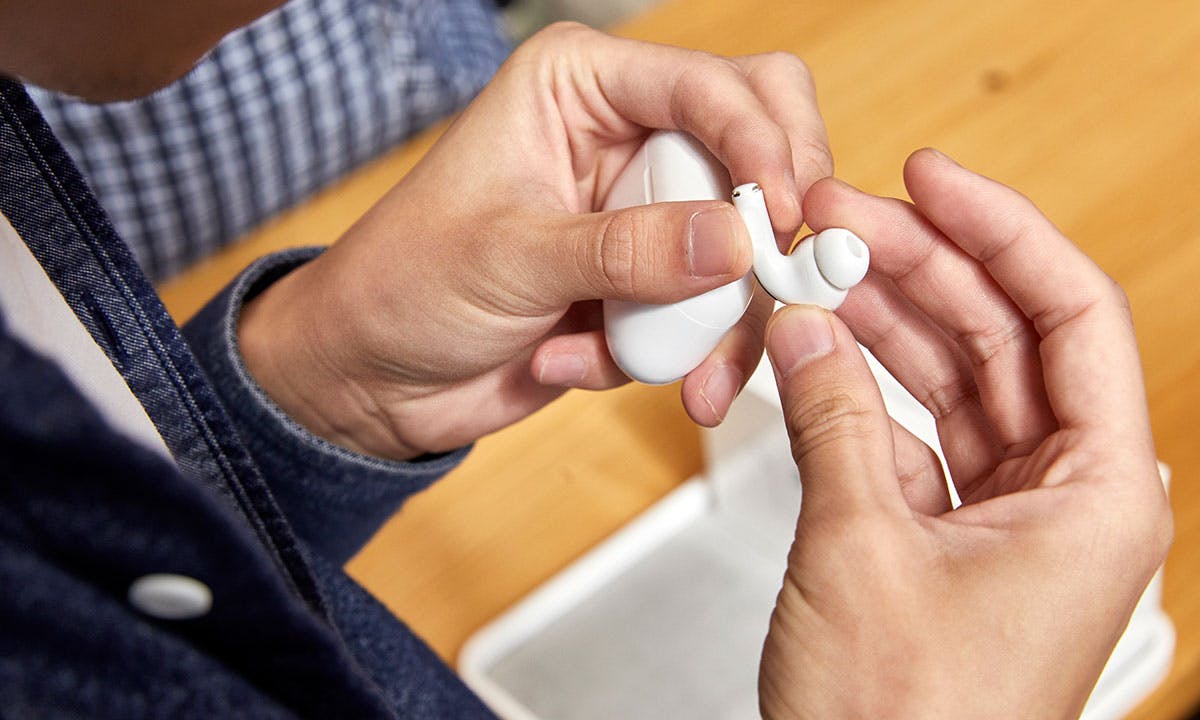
[(658, 344), (819, 271)]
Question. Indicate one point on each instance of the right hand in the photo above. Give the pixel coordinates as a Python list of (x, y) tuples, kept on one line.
[(894, 605)]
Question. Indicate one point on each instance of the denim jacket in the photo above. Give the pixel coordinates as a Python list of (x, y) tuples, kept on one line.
[(256, 508)]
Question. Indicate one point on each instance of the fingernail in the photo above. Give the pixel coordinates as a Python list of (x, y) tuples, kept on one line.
[(562, 370), (711, 248), (719, 388), (799, 336)]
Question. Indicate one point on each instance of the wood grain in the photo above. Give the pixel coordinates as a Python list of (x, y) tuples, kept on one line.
[(1090, 108)]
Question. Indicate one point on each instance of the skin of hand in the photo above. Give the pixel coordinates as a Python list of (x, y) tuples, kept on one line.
[(468, 297), (893, 604)]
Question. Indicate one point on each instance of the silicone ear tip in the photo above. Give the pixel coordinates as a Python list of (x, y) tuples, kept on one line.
[(841, 256)]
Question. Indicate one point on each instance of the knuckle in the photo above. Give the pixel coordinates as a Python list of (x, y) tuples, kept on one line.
[(832, 418), (713, 70), (946, 396), (788, 64), (550, 42), (558, 33), (1026, 227), (1101, 295), (815, 153), (926, 473), (758, 314), (1102, 289), (1117, 295), (810, 150), (700, 85), (984, 344), (613, 253), (491, 276), (771, 143), (737, 127)]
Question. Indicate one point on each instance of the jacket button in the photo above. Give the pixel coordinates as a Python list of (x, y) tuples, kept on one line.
[(170, 597)]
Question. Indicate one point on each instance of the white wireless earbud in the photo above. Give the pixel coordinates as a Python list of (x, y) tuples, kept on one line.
[(821, 269), (662, 343)]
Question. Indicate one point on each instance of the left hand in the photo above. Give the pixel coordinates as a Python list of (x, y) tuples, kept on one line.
[(466, 298)]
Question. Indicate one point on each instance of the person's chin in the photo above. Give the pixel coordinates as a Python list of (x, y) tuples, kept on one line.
[(96, 85)]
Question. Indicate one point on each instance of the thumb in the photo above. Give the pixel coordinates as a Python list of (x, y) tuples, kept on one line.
[(657, 253), (841, 434)]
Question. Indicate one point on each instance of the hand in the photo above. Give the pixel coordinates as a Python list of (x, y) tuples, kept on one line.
[(894, 605), (467, 298)]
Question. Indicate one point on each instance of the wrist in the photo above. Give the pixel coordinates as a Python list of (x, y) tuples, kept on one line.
[(292, 349)]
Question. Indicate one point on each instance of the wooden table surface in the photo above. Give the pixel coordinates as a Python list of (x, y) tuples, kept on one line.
[(1092, 108)]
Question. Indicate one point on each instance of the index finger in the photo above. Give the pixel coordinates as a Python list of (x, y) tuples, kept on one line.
[(1088, 349), (785, 86), (710, 97)]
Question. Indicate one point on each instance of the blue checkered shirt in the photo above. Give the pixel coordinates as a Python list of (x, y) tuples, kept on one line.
[(278, 110)]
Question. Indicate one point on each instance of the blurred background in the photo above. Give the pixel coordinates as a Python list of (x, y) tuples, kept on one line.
[(522, 18)]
